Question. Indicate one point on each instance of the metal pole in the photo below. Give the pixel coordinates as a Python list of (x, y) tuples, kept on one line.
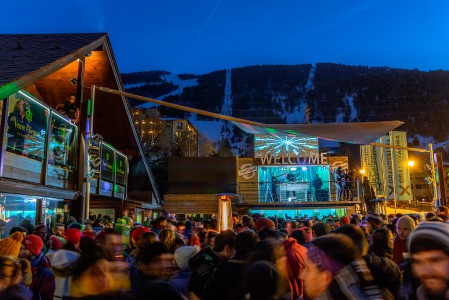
[(86, 168), (434, 177), (393, 170)]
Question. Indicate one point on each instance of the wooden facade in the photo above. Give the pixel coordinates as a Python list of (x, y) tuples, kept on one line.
[(49, 67)]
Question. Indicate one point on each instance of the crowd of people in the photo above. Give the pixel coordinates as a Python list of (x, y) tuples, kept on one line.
[(351, 257)]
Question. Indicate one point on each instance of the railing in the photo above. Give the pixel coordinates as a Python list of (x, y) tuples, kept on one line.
[(272, 192)]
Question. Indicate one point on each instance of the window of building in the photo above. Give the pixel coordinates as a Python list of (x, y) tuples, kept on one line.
[(27, 126)]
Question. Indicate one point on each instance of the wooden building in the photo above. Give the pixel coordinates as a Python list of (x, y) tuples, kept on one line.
[(43, 154)]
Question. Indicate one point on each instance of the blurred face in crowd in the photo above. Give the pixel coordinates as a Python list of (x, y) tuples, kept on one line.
[(403, 232), (315, 280), (112, 246), (390, 219), (42, 233), (181, 229), (25, 253), (59, 231), (235, 220), (163, 224), (289, 228), (108, 225), (161, 267), (432, 269)]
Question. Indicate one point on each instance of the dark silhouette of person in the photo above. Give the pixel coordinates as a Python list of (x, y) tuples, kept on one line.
[(337, 180), (317, 184), (69, 109)]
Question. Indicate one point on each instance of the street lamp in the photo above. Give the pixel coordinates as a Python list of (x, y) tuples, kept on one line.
[(411, 163)]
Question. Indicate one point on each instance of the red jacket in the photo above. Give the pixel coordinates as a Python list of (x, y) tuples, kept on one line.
[(296, 256)]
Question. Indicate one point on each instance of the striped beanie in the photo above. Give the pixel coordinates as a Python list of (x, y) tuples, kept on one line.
[(429, 236)]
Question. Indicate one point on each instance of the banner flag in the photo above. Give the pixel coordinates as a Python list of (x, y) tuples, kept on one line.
[(401, 170)]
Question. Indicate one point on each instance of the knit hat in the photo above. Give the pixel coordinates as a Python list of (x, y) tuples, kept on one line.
[(33, 243), (89, 233), (57, 242), (75, 225), (11, 245), (264, 223), (429, 236), (183, 255), (375, 220), (345, 220), (406, 222), (263, 279), (137, 232), (73, 236)]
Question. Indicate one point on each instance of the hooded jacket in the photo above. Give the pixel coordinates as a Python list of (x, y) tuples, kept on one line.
[(296, 256), (62, 264)]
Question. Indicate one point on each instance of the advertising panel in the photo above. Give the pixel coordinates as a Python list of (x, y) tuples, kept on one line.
[(107, 162)]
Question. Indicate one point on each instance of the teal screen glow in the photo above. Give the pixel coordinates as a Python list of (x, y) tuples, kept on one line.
[(284, 145)]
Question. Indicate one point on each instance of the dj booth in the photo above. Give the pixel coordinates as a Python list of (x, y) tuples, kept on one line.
[(294, 192)]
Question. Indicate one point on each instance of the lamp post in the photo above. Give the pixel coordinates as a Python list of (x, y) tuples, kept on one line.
[(411, 163)]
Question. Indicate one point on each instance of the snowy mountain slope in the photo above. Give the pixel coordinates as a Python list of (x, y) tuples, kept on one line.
[(334, 93)]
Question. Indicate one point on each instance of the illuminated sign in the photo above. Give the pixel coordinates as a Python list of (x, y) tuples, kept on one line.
[(276, 145), (311, 159), (247, 171), (107, 162)]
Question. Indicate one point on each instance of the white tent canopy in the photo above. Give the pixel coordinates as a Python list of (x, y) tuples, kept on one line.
[(362, 133)]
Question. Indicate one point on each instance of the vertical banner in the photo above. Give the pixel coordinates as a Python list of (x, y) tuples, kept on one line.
[(369, 165), (401, 170), (384, 161)]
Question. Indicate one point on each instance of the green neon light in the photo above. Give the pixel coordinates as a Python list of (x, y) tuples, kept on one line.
[(89, 107), (8, 90), (271, 130)]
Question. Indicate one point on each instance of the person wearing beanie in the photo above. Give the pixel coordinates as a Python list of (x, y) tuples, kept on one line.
[(262, 223), (329, 273), (43, 283), (72, 236), (429, 251), (373, 221), (11, 245), (344, 220), (225, 282), (205, 261), (57, 242), (404, 226), (263, 281), (180, 280), (320, 229)]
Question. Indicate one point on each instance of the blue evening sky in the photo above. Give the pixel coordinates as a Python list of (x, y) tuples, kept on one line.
[(188, 36)]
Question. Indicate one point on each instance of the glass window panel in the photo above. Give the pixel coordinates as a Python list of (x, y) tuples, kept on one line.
[(107, 162), (62, 149), (51, 208), (17, 210), (27, 125)]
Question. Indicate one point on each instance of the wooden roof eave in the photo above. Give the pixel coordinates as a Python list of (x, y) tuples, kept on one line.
[(30, 78)]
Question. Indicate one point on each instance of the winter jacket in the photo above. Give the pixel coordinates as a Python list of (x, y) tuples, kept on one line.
[(62, 264), (180, 281), (385, 273), (399, 247), (296, 255), (226, 281), (43, 283), (202, 265)]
